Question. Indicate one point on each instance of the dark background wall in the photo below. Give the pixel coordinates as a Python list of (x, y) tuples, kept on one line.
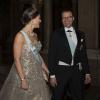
[(99, 22)]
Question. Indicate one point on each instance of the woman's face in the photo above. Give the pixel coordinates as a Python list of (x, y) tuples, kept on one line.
[(36, 22)]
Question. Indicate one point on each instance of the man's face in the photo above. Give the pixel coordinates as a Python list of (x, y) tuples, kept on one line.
[(67, 19)]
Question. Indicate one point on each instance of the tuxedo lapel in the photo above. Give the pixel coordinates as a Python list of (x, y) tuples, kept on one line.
[(78, 42), (66, 42)]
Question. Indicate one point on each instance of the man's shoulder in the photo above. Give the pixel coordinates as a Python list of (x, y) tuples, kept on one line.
[(81, 33)]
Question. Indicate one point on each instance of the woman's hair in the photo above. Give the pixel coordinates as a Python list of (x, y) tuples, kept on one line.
[(29, 12)]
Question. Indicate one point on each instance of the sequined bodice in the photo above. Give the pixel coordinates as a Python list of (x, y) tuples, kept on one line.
[(34, 48), (32, 52), (30, 57)]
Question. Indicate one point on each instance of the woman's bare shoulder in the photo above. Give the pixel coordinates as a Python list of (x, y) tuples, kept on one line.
[(19, 37)]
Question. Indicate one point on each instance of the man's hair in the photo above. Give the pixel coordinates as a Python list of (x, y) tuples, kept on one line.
[(67, 10)]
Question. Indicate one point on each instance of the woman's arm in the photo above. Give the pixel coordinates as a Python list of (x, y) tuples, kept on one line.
[(44, 67), (18, 44)]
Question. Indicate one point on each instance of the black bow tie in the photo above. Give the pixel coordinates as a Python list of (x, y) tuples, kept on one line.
[(69, 31)]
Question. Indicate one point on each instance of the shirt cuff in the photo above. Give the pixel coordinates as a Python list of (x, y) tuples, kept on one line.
[(52, 76)]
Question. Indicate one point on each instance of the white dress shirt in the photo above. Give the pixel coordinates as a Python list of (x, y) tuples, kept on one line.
[(72, 39)]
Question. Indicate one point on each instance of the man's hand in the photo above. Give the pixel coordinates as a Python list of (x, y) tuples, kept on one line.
[(87, 78), (53, 81)]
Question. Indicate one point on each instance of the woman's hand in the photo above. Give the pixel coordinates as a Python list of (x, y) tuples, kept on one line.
[(45, 72), (24, 84), (46, 75)]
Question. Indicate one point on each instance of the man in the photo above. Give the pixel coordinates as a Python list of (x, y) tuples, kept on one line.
[(67, 60)]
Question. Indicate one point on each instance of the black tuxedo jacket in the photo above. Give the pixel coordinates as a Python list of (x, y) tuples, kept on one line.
[(59, 50)]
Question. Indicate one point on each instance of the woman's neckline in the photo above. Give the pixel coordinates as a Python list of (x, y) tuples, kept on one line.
[(36, 41)]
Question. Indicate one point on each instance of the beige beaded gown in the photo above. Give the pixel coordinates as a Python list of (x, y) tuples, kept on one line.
[(31, 62)]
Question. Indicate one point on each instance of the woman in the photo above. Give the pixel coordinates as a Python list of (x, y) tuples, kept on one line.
[(25, 80)]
